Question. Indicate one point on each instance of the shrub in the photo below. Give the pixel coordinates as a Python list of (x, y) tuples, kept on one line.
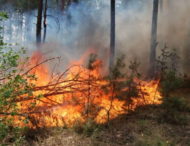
[(170, 82), (12, 86), (167, 64), (175, 110), (128, 75), (176, 103), (86, 129)]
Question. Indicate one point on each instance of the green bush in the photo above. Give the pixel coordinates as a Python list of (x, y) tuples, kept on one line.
[(170, 82), (167, 69), (13, 85), (87, 129), (128, 75), (176, 110), (176, 104)]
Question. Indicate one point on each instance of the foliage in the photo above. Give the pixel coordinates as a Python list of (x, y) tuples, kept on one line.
[(13, 85), (170, 82), (176, 103), (167, 64), (21, 5), (175, 110), (127, 79), (87, 129), (11, 134), (3, 15), (121, 85)]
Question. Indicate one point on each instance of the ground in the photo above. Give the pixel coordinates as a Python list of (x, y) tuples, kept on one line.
[(145, 126)]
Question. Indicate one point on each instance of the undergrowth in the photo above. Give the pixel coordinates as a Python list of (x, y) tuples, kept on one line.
[(176, 111)]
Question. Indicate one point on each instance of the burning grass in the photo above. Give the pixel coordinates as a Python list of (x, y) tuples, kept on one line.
[(77, 94)]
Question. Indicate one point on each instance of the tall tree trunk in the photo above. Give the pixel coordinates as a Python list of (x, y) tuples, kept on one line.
[(45, 21), (39, 22), (112, 34), (153, 39)]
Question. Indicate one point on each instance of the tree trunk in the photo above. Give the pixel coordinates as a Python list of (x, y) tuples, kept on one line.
[(153, 39), (39, 21), (112, 34), (45, 21)]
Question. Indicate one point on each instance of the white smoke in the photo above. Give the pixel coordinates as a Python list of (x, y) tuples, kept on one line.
[(86, 25)]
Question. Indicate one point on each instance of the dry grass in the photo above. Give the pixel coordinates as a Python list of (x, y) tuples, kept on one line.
[(139, 128)]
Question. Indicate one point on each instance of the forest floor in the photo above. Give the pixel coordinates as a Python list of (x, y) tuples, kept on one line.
[(146, 126)]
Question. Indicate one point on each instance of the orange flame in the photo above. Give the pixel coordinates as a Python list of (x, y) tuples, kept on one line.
[(79, 94)]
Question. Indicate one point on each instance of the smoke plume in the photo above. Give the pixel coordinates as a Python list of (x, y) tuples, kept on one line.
[(86, 25)]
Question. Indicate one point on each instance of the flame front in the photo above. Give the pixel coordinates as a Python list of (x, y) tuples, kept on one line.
[(77, 95)]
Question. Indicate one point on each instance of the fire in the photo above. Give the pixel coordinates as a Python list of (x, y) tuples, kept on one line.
[(78, 94)]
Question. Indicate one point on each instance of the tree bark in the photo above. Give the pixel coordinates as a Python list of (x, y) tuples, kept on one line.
[(153, 39), (112, 34), (39, 22), (45, 21)]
